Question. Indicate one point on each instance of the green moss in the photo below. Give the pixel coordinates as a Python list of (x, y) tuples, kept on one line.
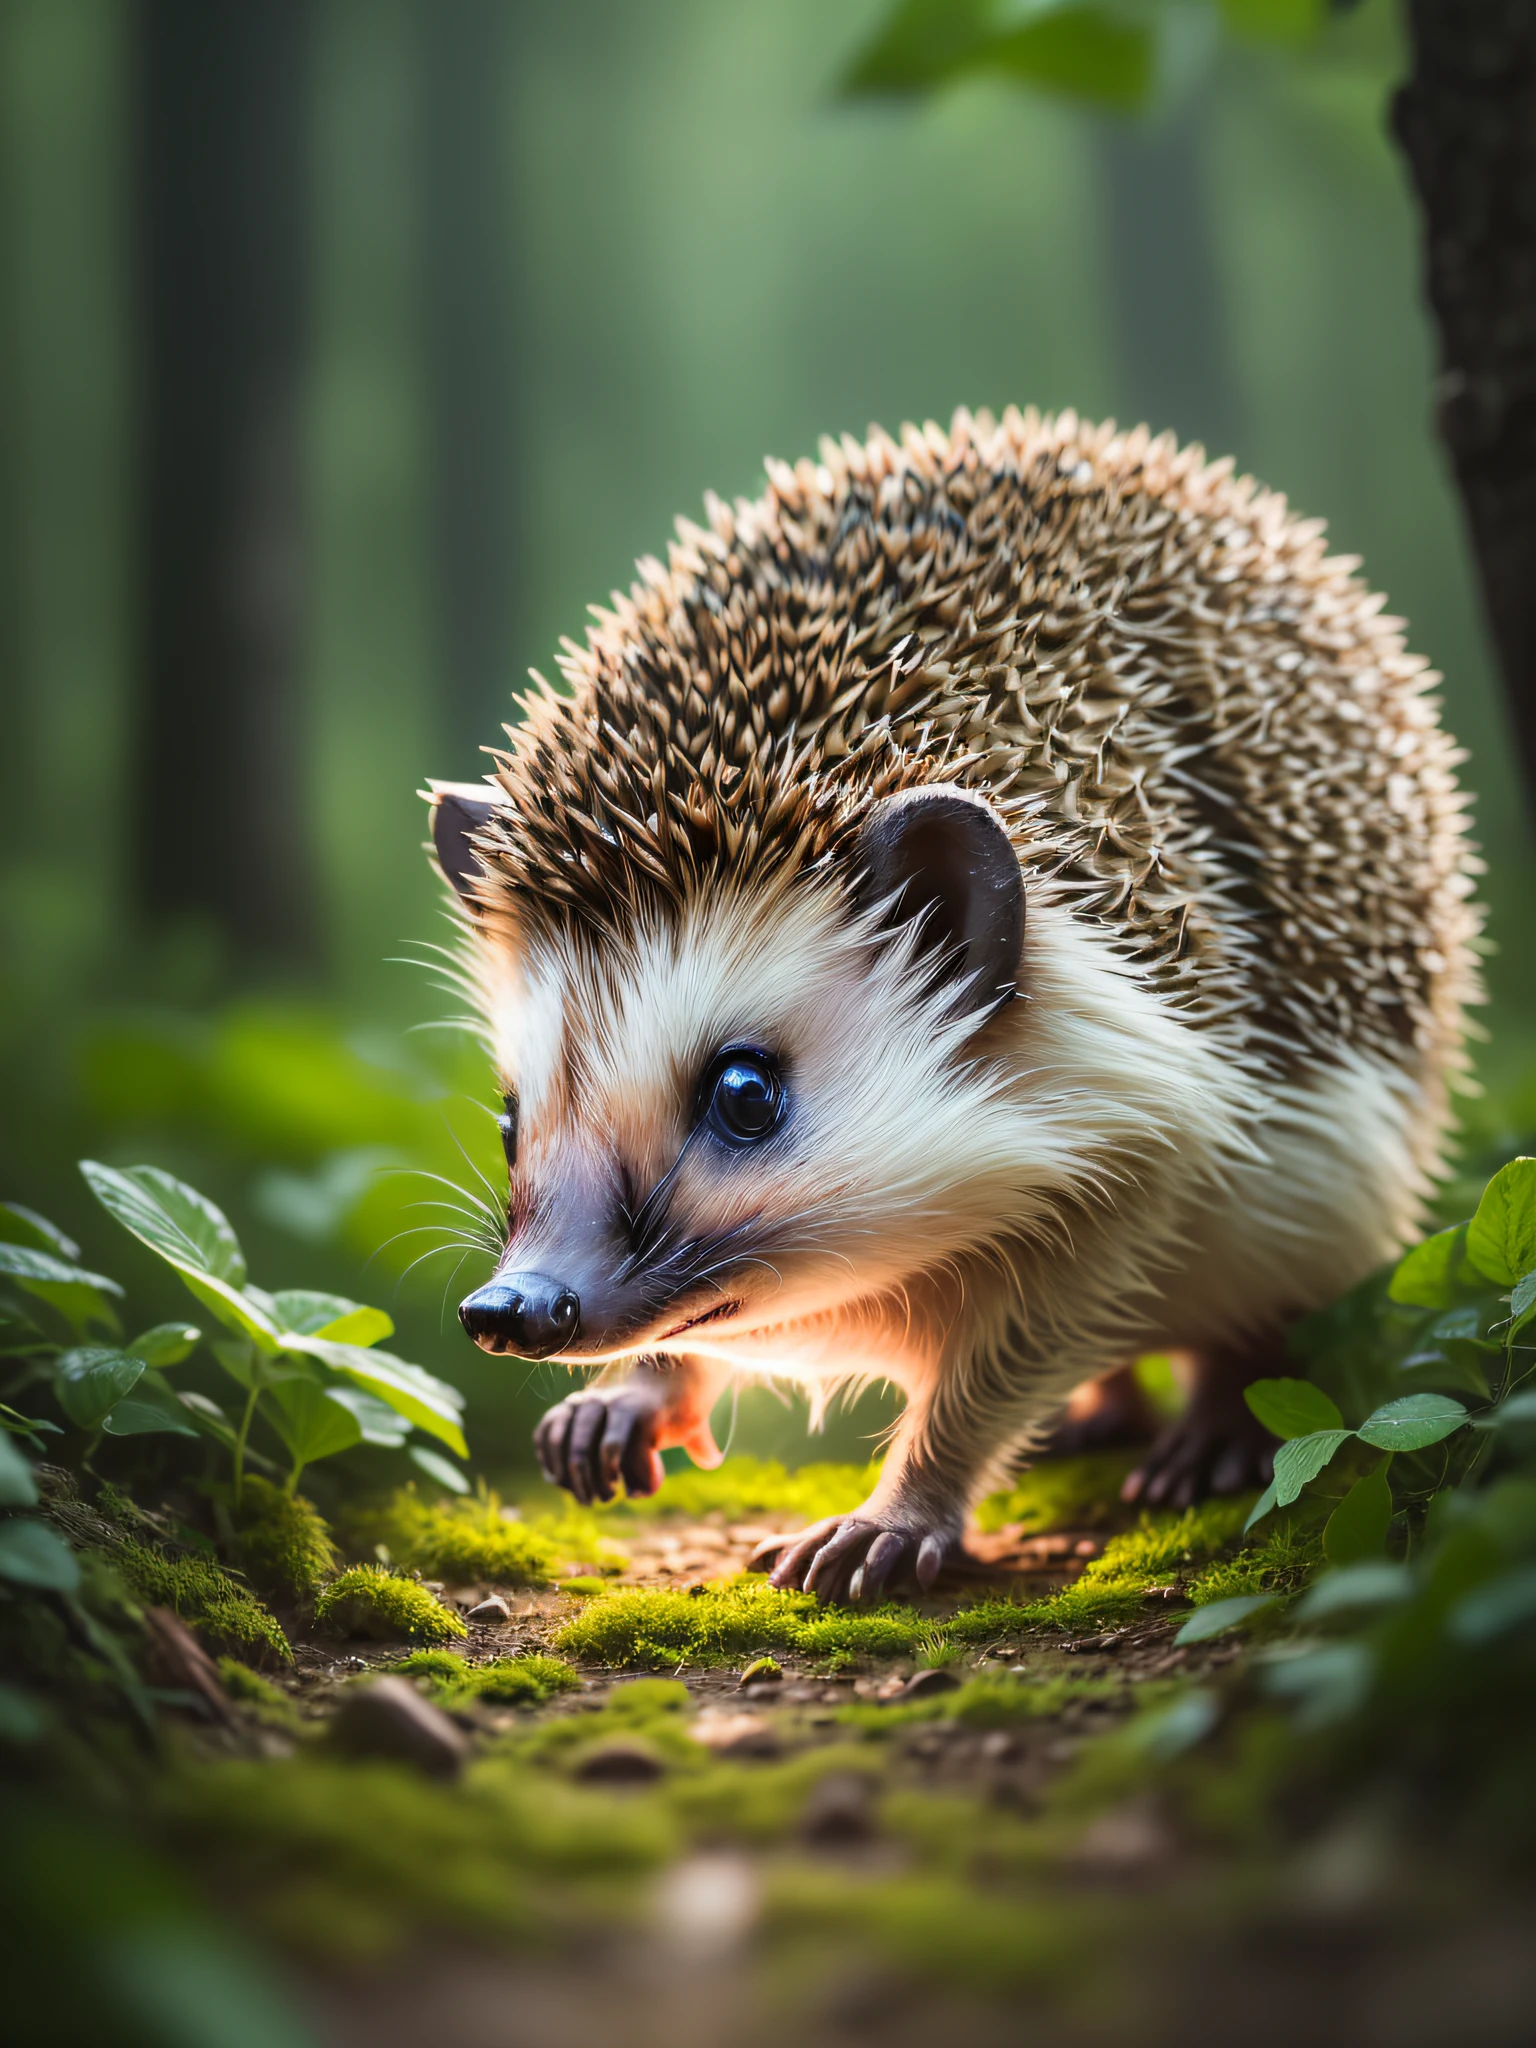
[(1062, 1493), (1162, 1545), (268, 1702), (281, 1543), (352, 1859), (654, 1629), (583, 1587), (1159, 1550), (509, 1682), (462, 1541), (446, 1665), (204, 1594), (655, 1709), (1281, 1564), (744, 1488), (931, 1925), (369, 1601)]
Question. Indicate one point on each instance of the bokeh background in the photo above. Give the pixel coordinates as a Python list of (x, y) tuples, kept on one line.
[(350, 348)]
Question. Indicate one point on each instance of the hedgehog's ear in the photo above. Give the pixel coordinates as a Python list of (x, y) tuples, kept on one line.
[(459, 809), (942, 855)]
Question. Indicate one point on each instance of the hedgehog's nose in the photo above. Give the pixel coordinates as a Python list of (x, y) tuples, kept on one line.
[(522, 1312)]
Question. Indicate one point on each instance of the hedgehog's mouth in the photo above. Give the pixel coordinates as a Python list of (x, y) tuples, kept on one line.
[(717, 1314)]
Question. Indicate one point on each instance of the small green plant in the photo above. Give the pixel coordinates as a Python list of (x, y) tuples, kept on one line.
[(305, 1364), (1452, 1323), (508, 1682), (367, 1600)]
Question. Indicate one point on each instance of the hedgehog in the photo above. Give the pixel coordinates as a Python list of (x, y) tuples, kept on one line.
[(995, 906)]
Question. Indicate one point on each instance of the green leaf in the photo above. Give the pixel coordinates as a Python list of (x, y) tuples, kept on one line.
[(1522, 1303), (184, 1227), (437, 1467), (1289, 1408), (1501, 1238), (302, 1313), (166, 1343), (32, 1554), (1298, 1462), (1363, 1585), (152, 1409), (311, 1422), (91, 1381), (80, 1296), (430, 1403), (1357, 1529), (1493, 1610), (1518, 1408), (21, 1225), (1413, 1423), (209, 1417), (1089, 53), (1265, 1504), (1220, 1615), (379, 1422), (186, 1230), (18, 1489), (1426, 1277)]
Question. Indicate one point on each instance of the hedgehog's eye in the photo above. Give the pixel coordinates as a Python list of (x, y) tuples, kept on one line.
[(506, 1123), (743, 1095)]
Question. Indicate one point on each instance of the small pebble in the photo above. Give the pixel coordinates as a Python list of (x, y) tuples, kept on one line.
[(924, 1685), (619, 1763), (1171, 1595), (389, 1718), (491, 1609), (840, 1809), (735, 1734), (999, 1746)]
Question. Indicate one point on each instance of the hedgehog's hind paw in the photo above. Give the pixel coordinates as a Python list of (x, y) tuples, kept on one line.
[(1201, 1454), (857, 1557)]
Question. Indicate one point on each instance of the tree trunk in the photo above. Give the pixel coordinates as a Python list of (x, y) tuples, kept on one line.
[(1466, 121), (470, 368), (222, 231)]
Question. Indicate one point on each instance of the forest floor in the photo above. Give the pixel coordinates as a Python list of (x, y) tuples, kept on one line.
[(959, 1843)]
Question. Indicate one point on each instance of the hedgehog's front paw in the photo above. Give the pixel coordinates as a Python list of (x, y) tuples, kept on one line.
[(855, 1557), (591, 1440)]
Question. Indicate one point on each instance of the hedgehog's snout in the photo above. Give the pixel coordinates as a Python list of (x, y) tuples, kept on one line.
[(525, 1313)]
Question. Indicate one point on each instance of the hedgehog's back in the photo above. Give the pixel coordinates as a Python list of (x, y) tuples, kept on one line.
[(1202, 729)]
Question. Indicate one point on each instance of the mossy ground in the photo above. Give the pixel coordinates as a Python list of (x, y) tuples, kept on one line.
[(281, 1543), (479, 1540), (366, 1600), (741, 1746)]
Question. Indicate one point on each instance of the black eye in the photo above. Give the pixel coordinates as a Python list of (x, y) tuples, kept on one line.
[(744, 1097), (506, 1123)]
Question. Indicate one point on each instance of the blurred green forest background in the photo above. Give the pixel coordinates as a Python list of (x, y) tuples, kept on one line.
[(560, 267)]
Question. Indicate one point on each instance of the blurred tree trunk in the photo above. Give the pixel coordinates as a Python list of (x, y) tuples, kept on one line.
[(470, 366), (1466, 120), (1173, 358), (222, 259)]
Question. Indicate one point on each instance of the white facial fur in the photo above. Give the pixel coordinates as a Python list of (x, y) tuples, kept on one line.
[(915, 1146)]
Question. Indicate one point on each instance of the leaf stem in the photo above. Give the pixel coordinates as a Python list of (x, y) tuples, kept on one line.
[(244, 1431)]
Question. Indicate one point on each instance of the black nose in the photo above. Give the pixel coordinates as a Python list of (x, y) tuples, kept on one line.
[(521, 1312)]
